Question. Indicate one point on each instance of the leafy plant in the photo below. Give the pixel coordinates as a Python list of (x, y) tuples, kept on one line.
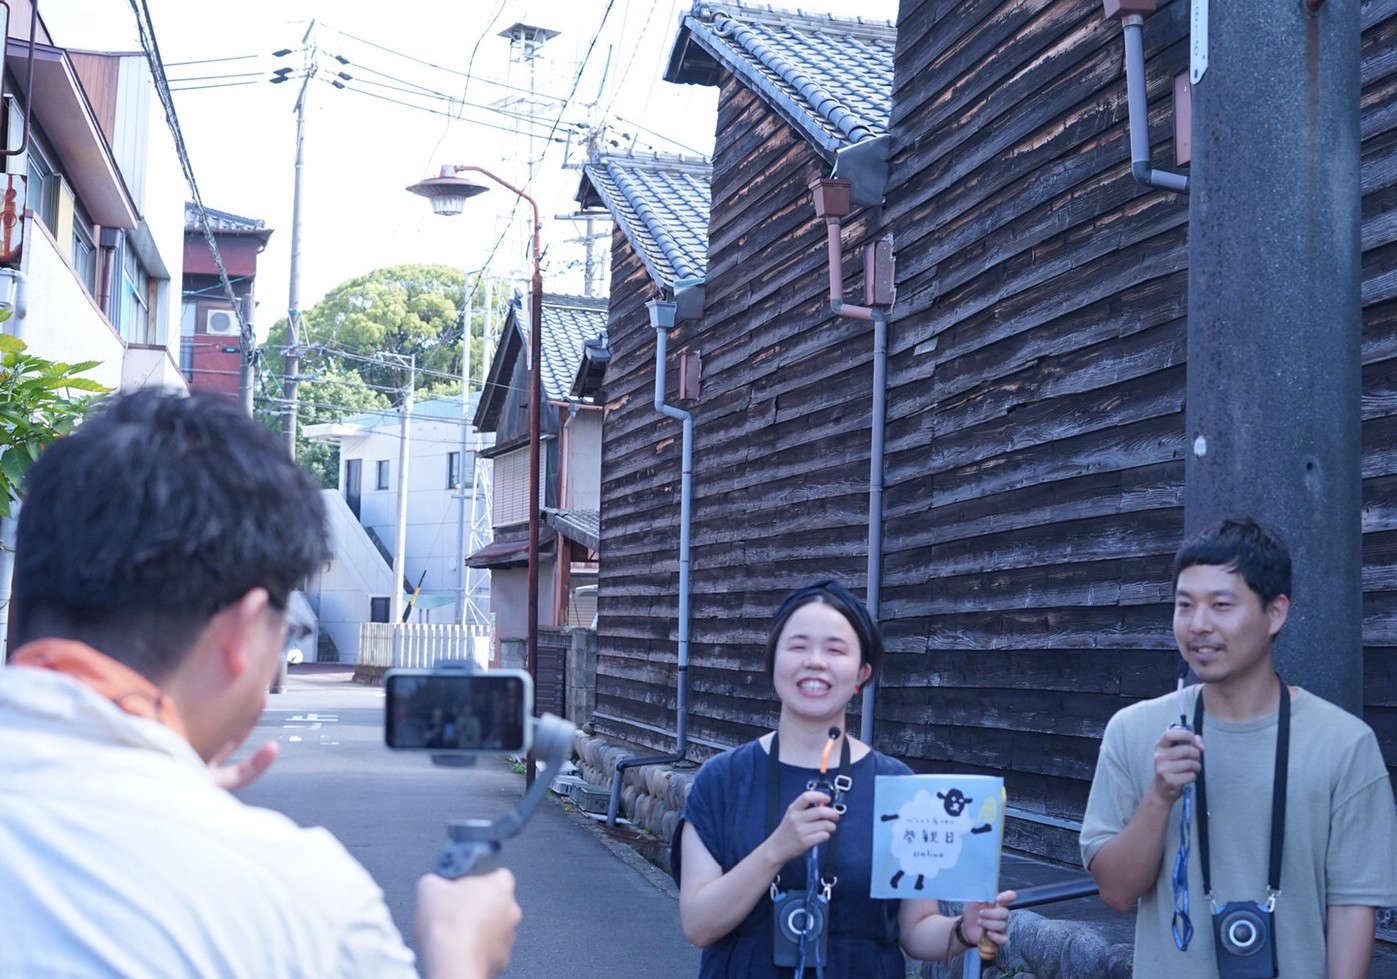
[(37, 405)]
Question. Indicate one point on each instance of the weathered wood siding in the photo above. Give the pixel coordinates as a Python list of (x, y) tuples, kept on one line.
[(780, 445), (1379, 181), (1036, 427), (638, 564)]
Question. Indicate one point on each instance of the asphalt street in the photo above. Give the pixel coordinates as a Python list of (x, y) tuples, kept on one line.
[(589, 909)]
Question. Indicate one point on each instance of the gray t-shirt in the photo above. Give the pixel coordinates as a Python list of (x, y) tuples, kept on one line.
[(1340, 842)]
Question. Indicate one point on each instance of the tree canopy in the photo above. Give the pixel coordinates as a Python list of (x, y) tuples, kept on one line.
[(402, 310)]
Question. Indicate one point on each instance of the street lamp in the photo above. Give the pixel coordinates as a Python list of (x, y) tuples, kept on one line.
[(448, 194)]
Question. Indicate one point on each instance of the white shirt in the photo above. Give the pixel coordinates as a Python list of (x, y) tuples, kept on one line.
[(120, 857)]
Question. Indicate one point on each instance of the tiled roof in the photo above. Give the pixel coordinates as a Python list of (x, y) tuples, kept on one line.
[(830, 77), (568, 323), (661, 204), (582, 526), (221, 220)]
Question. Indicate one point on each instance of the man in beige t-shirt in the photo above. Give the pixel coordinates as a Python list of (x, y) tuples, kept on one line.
[(1339, 858)]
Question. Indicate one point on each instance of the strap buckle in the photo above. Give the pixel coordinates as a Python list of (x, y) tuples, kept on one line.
[(1271, 895), (827, 886)]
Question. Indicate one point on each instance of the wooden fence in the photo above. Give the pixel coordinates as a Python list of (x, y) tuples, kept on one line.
[(416, 645)]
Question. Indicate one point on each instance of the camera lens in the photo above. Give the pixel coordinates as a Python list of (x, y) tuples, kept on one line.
[(1241, 933)]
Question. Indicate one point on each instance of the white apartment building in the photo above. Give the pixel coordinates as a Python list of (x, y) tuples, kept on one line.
[(357, 585), (97, 200)]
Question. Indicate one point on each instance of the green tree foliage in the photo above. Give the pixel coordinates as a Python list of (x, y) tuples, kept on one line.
[(38, 404), (401, 310)]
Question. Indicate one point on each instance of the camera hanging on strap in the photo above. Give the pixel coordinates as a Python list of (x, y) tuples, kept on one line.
[(800, 919), (1244, 931)]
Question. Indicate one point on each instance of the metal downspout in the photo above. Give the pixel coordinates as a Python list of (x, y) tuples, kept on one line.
[(662, 317), (875, 502), (1133, 27), (832, 204)]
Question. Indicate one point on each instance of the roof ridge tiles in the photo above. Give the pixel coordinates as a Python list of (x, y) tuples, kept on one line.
[(656, 161), (645, 210), (768, 13), (821, 100)]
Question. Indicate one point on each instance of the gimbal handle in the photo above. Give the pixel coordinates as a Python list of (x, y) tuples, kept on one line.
[(473, 839)]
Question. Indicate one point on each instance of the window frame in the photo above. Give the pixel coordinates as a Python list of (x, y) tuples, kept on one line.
[(382, 476), (380, 605), (454, 479), (85, 268)]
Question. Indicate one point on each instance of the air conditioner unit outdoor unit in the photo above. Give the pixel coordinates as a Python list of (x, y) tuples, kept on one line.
[(221, 322)]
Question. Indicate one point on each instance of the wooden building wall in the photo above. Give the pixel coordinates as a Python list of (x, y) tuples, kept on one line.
[(1379, 182), (638, 564), (1036, 426), (1036, 410), (780, 446)]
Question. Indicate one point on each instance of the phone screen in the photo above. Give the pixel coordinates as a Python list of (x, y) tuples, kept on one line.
[(468, 712)]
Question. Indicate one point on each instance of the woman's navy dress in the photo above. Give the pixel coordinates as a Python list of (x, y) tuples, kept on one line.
[(727, 807)]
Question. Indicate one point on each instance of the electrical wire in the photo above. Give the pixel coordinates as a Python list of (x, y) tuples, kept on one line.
[(211, 61), (204, 88), (576, 80), (429, 109), (465, 85), (453, 71), (146, 29)]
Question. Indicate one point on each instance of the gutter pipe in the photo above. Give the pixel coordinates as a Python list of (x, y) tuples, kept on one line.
[(1133, 28), (833, 203), (662, 318)]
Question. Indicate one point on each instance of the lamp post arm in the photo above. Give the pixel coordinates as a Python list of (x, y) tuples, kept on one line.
[(464, 168)]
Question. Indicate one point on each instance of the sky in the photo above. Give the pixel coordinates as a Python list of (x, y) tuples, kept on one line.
[(360, 151)]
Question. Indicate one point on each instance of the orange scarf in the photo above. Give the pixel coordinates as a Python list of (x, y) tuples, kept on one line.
[(117, 682)]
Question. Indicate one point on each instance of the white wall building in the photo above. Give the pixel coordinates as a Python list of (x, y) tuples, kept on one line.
[(98, 197), (438, 484)]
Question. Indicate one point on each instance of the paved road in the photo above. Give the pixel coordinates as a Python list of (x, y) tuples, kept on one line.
[(587, 911)]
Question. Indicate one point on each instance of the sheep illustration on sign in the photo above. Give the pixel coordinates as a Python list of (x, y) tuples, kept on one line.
[(937, 836)]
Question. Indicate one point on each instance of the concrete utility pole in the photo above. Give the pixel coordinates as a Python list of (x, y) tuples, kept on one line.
[(293, 301), (1274, 313), (462, 519), (400, 529), (248, 359)]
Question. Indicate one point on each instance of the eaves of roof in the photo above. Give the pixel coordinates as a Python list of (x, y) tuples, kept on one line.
[(830, 78), (661, 204), (62, 108)]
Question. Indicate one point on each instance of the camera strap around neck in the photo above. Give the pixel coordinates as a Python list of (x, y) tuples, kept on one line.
[(773, 799), (1273, 878)]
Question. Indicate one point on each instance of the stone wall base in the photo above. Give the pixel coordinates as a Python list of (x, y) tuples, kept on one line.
[(651, 797)]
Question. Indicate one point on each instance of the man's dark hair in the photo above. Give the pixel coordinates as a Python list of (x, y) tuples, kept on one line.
[(1245, 547), (843, 601), (160, 510)]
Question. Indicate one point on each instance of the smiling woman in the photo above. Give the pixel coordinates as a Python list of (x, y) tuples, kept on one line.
[(773, 855)]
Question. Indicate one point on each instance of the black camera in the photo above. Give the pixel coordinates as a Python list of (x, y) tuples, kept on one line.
[(794, 915), (1245, 945)]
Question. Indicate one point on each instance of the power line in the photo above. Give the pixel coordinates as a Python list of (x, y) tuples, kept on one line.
[(435, 112), (423, 92), (211, 61), (202, 88), (576, 80), (146, 30), (470, 63), (453, 71)]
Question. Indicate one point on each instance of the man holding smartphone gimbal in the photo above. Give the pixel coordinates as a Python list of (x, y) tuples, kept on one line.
[(158, 545), (1252, 821)]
